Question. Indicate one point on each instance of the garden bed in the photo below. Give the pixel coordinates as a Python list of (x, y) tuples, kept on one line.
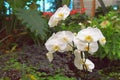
[(31, 62)]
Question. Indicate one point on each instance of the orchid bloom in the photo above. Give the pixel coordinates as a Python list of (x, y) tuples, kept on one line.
[(84, 46), (67, 37), (53, 21), (89, 65), (61, 14), (53, 44), (61, 41), (89, 34), (102, 39), (82, 63)]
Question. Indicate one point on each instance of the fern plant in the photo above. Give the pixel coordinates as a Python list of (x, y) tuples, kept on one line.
[(34, 22)]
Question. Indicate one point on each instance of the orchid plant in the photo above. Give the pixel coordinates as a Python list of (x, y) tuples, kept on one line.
[(86, 40)]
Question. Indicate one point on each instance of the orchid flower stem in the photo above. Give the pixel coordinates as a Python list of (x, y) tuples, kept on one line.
[(83, 56), (85, 74), (73, 46)]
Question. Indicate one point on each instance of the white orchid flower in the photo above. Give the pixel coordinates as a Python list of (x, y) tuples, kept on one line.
[(52, 45), (61, 41), (93, 47), (89, 35), (84, 46), (67, 37), (102, 39), (61, 14), (52, 37), (50, 56), (82, 63), (77, 59), (53, 21), (89, 65)]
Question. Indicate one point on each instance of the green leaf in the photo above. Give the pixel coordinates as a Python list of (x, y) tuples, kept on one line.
[(1, 4), (67, 2), (34, 22), (17, 3)]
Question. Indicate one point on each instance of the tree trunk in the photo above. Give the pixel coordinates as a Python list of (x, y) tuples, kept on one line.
[(103, 6), (93, 8), (81, 4)]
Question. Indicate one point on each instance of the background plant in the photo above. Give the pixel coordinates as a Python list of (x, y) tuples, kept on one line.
[(20, 21), (109, 24), (34, 22)]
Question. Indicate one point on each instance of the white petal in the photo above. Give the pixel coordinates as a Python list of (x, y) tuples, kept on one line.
[(61, 14), (90, 65), (52, 37), (68, 48), (93, 47), (91, 32), (77, 59), (53, 21), (80, 44), (52, 43), (66, 36), (102, 41), (65, 11), (99, 33), (50, 56)]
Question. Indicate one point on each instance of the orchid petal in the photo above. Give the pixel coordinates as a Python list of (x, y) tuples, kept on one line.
[(50, 56), (93, 47)]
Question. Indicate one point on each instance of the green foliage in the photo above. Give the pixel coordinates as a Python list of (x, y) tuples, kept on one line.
[(67, 2), (72, 22), (34, 22), (14, 3), (99, 10), (17, 3), (58, 77), (26, 72), (109, 73), (109, 25), (1, 4)]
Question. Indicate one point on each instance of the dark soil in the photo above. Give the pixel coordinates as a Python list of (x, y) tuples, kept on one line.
[(62, 63)]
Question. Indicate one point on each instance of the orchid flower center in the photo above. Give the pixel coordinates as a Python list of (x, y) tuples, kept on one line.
[(103, 40), (56, 48), (88, 38), (65, 39), (61, 15)]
